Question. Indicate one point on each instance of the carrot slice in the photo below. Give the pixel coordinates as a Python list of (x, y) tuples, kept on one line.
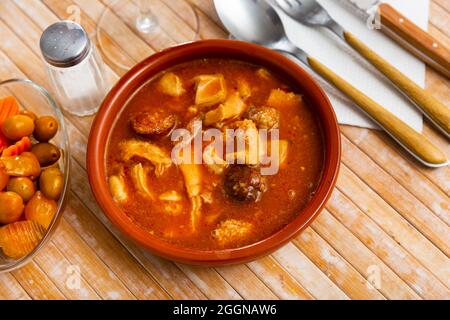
[(13, 106), (3, 142), (2, 110), (16, 149), (8, 108)]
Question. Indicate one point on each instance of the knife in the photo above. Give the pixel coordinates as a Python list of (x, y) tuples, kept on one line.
[(402, 30)]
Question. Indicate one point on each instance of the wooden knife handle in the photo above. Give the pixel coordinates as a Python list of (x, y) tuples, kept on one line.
[(433, 108), (412, 140), (417, 41)]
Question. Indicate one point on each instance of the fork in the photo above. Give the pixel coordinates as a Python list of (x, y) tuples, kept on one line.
[(311, 13)]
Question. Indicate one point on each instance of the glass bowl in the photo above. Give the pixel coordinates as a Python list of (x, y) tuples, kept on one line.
[(34, 98)]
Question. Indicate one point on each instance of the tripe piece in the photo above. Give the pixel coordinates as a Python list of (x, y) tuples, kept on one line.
[(211, 90), (171, 85)]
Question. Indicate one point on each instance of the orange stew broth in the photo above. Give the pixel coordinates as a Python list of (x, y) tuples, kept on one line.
[(288, 191)]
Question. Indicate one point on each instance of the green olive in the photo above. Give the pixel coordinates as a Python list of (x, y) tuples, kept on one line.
[(51, 183), (30, 114), (24, 187), (45, 129), (17, 127), (11, 207), (46, 153)]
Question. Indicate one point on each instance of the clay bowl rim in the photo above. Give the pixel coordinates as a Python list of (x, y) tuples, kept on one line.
[(232, 49)]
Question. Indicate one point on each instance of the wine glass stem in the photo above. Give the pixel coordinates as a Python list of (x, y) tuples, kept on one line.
[(145, 7), (146, 21)]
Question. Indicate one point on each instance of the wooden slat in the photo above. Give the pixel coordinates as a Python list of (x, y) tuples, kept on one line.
[(104, 281), (113, 254), (36, 283), (389, 247), (210, 283), (25, 59), (38, 11), (167, 273), (440, 19), (59, 270), (10, 14), (441, 176), (361, 258), (307, 274), (335, 266), (11, 289), (401, 169), (278, 279), (207, 7), (438, 85), (246, 283), (183, 10), (210, 28), (397, 196), (444, 4)]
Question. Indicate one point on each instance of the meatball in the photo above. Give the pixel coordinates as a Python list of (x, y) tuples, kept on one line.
[(265, 117), (244, 183), (150, 123)]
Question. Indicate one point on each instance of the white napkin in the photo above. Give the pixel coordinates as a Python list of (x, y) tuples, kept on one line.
[(323, 45)]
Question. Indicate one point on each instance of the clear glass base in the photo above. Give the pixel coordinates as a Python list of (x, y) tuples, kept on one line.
[(131, 30), (147, 23)]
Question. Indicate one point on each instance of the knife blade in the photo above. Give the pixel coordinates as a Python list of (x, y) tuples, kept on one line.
[(365, 7), (402, 30)]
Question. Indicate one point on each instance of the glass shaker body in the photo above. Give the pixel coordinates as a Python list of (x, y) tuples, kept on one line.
[(75, 68), (81, 88)]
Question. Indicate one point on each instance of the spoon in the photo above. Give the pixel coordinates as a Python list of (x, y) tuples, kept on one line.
[(257, 21)]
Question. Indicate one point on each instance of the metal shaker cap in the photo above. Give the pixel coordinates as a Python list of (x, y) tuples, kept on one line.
[(65, 44)]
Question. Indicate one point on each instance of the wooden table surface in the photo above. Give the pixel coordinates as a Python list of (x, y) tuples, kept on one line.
[(384, 233)]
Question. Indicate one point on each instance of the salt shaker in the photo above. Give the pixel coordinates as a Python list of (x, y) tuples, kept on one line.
[(75, 68)]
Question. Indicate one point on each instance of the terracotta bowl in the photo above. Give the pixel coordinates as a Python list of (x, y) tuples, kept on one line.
[(140, 74)]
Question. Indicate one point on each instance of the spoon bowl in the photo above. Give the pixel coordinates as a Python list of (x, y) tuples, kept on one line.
[(252, 21)]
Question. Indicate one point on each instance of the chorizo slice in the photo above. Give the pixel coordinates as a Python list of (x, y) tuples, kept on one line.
[(152, 123)]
